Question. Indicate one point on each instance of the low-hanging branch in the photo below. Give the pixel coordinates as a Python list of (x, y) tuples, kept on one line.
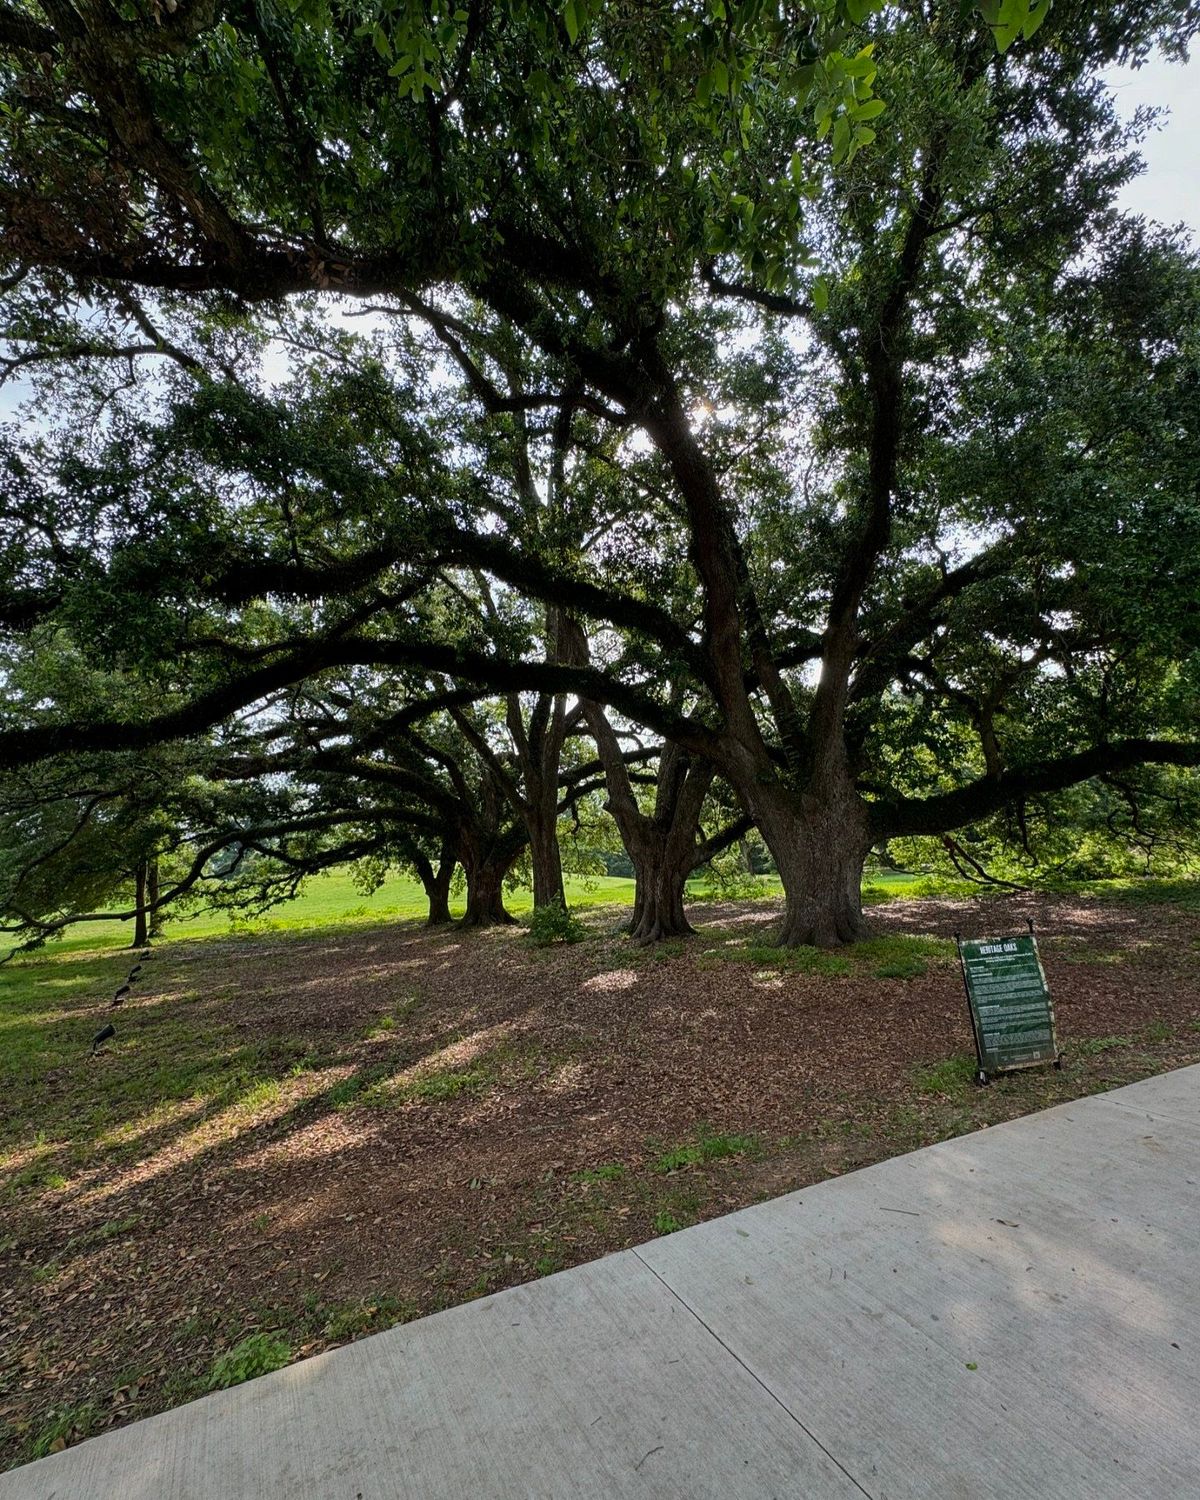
[(23, 746), (40, 928), (895, 818)]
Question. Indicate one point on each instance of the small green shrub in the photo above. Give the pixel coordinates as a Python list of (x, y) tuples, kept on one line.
[(666, 1222), (258, 1354), (554, 923)]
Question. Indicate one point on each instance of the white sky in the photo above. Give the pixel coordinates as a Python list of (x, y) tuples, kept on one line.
[(1169, 189)]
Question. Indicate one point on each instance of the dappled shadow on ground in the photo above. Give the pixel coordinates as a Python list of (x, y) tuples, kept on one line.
[(394, 1118)]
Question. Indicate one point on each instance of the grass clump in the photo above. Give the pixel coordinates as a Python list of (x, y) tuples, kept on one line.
[(1091, 1046), (377, 1088), (70, 1425), (901, 955), (258, 1095), (609, 1172), (450, 1083), (351, 1320), (354, 1088), (1181, 891), (258, 1354), (795, 960), (900, 968), (708, 1146), (391, 1019), (950, 1076)]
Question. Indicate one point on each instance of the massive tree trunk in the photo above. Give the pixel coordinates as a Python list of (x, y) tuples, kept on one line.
[(438, 892), (533, 797), (659, 884), (662, 847), (487, 848), (819, 845), (485, 890)]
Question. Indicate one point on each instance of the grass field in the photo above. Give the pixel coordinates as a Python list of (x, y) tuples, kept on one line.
[(332, 900), (329, 900)]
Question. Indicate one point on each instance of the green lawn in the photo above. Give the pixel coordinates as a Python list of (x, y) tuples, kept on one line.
[(332, 900)]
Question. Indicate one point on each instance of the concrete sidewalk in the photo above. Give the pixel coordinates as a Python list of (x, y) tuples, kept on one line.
[(1014, 1313)]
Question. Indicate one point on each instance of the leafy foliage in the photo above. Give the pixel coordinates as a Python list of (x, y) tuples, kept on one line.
[(783, 383), (256, 1354), (554, 924)]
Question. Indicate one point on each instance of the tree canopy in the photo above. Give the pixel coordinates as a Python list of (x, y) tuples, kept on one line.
[(776, 394)]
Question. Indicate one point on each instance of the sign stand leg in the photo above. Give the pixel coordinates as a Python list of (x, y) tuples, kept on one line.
[(982, 1078)]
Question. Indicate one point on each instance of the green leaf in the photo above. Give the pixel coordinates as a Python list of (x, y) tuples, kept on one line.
[(841, 139)]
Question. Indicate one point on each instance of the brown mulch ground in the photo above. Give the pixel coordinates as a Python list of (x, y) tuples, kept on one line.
[(461, 1112)]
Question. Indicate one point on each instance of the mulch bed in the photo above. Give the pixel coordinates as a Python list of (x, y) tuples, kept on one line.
[(369, 1187)]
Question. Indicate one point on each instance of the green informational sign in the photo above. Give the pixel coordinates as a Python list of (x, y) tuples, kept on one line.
[(1011, 1009)]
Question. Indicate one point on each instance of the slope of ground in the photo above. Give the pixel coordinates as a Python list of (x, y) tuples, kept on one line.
[(294, 1140)]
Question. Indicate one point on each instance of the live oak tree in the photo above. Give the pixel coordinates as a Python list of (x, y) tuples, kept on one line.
[(663, 834), (541, 183)]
